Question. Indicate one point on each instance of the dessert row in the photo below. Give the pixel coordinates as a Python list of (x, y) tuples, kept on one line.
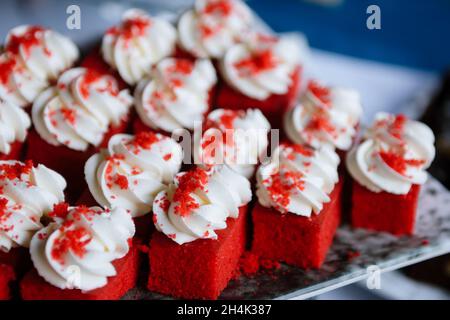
[(178, 172)]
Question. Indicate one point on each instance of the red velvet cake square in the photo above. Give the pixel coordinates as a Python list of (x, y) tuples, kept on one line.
[(384, 211), (294, 239), (200, 269), (33, 287), (6, 277)]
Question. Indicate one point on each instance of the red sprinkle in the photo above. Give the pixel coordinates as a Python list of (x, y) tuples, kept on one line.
[(144, 140), (397, 161), (27, 40), (188, 183), (280, 185), (183, 66), (221, 7), (60, 210), (322, 93), (16, 170), (72, 240), (256, 63), (121, 181), (131, 28), (6, 68), (70, 115)]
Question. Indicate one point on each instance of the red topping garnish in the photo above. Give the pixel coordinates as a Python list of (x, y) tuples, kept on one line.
[(322, 93), (131, 28), (88, 79), (167, 157), (321, 123), (183, 66), (256, 63), (121, 181), (60, 210), (281, 184), (144, 139), (74, 241), (397, 127), (299, 149), (27, 40), (4, 214), (16, 170), (70, 115), (397, 161), (220, 7), (6, 68), (188, 183)]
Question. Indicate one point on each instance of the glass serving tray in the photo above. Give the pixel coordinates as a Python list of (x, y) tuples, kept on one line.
[(352, 252)]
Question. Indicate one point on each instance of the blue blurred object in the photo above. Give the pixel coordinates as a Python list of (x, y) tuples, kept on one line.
[(414, 33)]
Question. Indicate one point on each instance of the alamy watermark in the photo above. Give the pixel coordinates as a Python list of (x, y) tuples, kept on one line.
[(373, 22)]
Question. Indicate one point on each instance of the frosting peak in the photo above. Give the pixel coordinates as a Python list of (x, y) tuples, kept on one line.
[(33, 57), (199, 202), (176, 95), (80, 109), (133, 47), (261, 66), (393, 155), (78, 250), (133, 170), (326, 115), (298, 179), (26, 194), (237, 138), (213, 26)]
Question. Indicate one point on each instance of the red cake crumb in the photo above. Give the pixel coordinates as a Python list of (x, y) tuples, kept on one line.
[(273, 107), (249, 264), (351, 254), (269, 264), (33, 287), (384, 211), (6, 277), (296, 240), (200, 269)]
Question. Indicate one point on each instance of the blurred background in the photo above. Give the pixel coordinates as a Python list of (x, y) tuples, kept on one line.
[(401, 67)]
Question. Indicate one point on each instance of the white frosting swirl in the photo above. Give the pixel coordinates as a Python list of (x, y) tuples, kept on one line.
[(298, 179), (79, 252), (133, 170), (80, 109), (14, 124), (213, 26), (262, 66), (137, 44), (325, 116), (199, 202), (235, 137), (33, 57), (26, 194), (176, 95), (394, 155)]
